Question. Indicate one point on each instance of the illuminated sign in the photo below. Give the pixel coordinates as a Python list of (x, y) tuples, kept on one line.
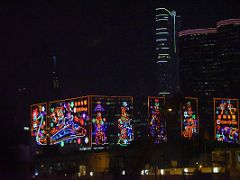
[(190, 120), (226, 120), (88, 121), (157, 121), (69, 122), (39, 123), (99, 122), (111, 120), (125, 135)]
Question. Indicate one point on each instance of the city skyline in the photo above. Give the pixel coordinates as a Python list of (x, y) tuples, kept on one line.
[(58, 50), (115, 42)]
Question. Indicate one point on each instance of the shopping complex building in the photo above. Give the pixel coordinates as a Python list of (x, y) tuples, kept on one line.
[(114, 136)]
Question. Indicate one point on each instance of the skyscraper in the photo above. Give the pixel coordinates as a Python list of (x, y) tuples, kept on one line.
[(199, 69), (167, 26), (198, 65), (209, 60), (209, 64), (228, 46)]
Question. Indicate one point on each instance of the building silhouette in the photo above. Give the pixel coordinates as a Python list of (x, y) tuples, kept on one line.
[(228, 47), (209, 65), (198, 66), (209, 60)]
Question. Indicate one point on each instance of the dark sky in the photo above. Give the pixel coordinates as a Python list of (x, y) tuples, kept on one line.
[(102, 46)]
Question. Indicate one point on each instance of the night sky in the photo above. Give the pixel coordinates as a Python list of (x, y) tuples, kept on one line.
[(103, 46)]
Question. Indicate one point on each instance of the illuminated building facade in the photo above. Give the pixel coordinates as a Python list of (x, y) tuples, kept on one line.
[(86, 121), (167, 25)]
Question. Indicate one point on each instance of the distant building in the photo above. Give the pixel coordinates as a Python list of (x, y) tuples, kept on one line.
[(200, 70), (167, 25), (228, 46), (198, 65), (209, 60), (209, 65)]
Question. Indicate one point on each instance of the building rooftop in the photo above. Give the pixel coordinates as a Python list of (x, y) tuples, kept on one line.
[(197, 31), (228, 22)]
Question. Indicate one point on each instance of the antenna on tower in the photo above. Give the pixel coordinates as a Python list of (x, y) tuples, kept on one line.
[(54, 59), (55, 78)]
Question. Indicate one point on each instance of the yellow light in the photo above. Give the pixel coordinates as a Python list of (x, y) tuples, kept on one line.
[(215, 170), (146, 171), (162, 172), (170, 110)]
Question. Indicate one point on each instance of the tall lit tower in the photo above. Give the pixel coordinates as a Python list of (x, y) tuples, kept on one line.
[(167, 26)]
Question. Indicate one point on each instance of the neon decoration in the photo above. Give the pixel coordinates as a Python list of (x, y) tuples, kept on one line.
[(38, 123), (99, 125), (190, 120), (124, 124), (157, 121), (86, 121), (226, 120), (69, 122)]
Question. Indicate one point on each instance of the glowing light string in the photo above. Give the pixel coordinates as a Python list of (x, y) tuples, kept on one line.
[(100, 126), (157, 124), (124, 124), (68, 122), (189, 121), (226, 120)]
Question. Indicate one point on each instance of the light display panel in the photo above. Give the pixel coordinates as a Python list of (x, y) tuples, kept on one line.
[(111, 120), (190, 120), (39, 123), (69, 122), (99, 121), (226, 120), (125, 132), (157, 121)]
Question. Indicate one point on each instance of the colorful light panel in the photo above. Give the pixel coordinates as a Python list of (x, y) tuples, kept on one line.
[(39, 123), (190, 120), (99, 121), (226, 120), (87, 121), (69, 122), (124, 122), (157, 121)]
